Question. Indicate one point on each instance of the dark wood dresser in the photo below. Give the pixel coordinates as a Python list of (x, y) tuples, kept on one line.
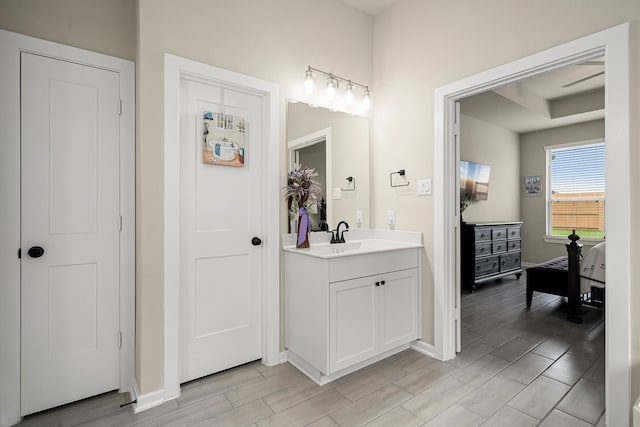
[(489, 250)]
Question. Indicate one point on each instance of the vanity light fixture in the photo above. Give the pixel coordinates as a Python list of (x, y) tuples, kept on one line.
[(333, 84), (332, 87), (348, 96), (309, 84)]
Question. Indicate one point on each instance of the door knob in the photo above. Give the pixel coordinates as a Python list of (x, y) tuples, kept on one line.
[(35, 251), (256, 241)]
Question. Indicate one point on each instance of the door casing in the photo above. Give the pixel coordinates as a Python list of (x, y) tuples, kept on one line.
[(176, 69), (614, 43), (11, 46)]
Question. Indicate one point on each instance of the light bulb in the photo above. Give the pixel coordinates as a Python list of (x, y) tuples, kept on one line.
[(366, 100), (332, 87), (348, 97), (309, 84)]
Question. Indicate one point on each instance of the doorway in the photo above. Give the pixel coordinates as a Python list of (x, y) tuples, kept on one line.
[(612, 43), (178, 70)]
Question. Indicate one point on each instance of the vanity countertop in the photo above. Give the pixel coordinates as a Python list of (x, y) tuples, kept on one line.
[(358, 242)]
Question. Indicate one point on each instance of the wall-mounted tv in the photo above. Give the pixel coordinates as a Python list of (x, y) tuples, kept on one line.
[(474, 180)]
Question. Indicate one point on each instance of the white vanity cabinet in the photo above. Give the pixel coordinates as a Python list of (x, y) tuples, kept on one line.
[(346, 311), (371, 315)]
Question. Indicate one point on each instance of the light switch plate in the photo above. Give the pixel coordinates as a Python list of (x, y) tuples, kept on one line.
[(391, 217), (423, 187), (337, 193)]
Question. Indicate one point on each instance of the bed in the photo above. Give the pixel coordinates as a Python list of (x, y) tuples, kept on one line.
[(581, 279)]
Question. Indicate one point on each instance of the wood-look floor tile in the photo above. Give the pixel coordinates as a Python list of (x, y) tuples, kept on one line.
[(420, 380), (276, 370), (240, 416), (584, 401), (307, 411), (567, 369), (552, 347), (255, 390), (189, 415), (296, 393), (558, 418), (491, 396), (411, 360), (596, 372), (218, 383), (467, 337), (497, 337), (481, 370), (510, 417), (371, 406), (326, 421), (471, 353), (362, 385), (513, 349), (527, 368), (540, 397), (398, 416), (455, 415), (435, 400), (102, 406)]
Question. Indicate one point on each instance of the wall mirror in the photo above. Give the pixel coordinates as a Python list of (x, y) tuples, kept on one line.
[(336, 145)]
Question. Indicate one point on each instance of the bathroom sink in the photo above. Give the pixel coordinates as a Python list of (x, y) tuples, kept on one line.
[(355, 247)]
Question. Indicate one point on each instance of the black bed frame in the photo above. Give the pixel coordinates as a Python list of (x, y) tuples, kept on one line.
[(561, 276)]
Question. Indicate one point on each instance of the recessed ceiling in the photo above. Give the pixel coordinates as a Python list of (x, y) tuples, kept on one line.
[(371, 7), (572, 94)]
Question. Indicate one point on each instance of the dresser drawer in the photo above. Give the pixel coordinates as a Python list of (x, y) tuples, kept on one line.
[(513, 245), (498, 247), (482, 234), (499, 233), (483, 248), (488, 265), (513, 232), (510, 261)]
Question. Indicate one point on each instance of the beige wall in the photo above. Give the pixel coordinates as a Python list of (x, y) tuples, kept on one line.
[(482, 142), (533, 162), (420, 45), (107, 27), (270, 40)]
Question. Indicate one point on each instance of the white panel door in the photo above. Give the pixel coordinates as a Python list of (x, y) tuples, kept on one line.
[(220, 214), (70, 209), (353, 327), (398, 308)]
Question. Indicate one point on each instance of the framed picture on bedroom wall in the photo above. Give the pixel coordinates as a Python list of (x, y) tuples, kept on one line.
[(532, 185)]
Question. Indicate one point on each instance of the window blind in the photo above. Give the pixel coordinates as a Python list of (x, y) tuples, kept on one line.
[(577, 170)]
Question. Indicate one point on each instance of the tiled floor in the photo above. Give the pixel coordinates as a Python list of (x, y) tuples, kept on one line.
[(517, 368)]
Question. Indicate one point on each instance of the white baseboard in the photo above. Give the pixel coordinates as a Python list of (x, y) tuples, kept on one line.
[(284, 356), (146, 401), (423, 347)]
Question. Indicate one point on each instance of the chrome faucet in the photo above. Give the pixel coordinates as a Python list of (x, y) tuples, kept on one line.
[(338, 237)]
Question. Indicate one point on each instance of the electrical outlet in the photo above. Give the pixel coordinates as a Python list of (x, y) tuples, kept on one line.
[(391, 217), (358, 215), (337, 193)]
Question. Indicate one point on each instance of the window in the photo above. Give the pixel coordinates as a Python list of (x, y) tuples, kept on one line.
[(576, 190)]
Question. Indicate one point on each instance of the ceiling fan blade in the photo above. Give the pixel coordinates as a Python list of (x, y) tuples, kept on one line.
[(583, 79)]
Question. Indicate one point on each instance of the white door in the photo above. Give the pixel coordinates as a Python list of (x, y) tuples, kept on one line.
[(398, 308), (70, 209), (221, 227)]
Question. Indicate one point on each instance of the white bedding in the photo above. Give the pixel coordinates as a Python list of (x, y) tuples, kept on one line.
[(592, 268)]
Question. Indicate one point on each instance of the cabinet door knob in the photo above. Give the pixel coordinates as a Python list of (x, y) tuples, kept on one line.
[(382, 282), (377, 283)]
